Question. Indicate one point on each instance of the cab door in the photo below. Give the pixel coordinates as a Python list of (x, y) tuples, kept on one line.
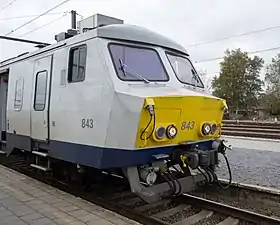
[(40, 101)]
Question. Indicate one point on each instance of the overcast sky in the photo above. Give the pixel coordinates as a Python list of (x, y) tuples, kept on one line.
[(188, 22)]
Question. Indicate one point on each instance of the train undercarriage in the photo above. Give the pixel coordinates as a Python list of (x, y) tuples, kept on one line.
[(168, 176)]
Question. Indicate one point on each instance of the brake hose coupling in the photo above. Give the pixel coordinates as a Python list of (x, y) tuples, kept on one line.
[(223, 147)]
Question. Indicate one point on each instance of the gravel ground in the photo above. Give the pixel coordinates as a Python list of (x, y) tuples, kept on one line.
[(251, 165)]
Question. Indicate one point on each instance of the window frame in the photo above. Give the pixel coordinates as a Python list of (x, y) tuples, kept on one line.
[(183, 56), (139, 47), (35, 93), (19, 108), (70, 67)]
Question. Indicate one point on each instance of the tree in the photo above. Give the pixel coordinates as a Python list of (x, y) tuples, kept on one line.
[(272, 80), (239, 82)]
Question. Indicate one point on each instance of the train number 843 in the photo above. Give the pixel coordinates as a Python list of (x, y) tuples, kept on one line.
[(187, 125)]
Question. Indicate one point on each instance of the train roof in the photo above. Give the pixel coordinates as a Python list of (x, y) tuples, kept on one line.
[(138, 34), (123, 32)]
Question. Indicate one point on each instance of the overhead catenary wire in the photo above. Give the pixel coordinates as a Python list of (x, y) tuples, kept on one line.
[(44, 25), (235, 35), (249, 52), (37, 17), (7, 5), (28, 16)]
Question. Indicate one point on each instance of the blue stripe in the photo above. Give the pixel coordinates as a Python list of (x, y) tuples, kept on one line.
[(103, 158)]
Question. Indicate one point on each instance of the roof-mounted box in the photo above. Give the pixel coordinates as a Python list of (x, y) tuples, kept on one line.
[(95, 21)]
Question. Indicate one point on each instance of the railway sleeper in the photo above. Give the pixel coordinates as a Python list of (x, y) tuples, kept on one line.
[(203, 214), (229, 221)]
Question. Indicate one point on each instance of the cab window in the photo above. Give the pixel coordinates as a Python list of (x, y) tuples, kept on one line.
[(134, 63), (184, 70)]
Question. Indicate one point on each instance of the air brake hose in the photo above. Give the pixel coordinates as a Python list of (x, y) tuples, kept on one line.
[(213, 174), (172, 181), (211, 179), (230, 175), (206, 178), (169, 183), (179, 184)]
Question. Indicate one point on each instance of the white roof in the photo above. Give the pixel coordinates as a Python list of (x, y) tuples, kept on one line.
[(115, 31), (138, 34)]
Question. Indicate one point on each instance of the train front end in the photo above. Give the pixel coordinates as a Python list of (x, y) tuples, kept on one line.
[(165, 128), (180, 136)]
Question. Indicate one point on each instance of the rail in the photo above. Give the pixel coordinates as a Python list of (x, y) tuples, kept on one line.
[(230, 211), (181, 210)]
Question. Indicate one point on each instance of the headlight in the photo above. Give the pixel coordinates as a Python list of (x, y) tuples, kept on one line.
[(206, 129), (171, 131), (160, 132), (213, 128)]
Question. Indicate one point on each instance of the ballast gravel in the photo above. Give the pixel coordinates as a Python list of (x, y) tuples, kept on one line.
[(252, 167)]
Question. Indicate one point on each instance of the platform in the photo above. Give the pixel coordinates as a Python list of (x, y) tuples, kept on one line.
[(262, 144), (24, 200)]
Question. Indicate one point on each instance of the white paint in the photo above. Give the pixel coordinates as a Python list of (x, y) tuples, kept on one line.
[(20, 121), (39, 118), (114, 105)]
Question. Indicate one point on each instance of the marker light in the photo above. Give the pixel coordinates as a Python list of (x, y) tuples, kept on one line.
[(213, 128), (206, 129), (160, 132), (171, 131)]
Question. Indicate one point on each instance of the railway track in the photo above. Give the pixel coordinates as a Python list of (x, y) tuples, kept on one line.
[(255, 129), (237, 205)]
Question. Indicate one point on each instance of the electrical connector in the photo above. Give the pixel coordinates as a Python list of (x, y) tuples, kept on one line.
[(151, 109)]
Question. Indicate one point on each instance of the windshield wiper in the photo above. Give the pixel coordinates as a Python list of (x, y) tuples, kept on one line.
[(133, 73), (195, 77)]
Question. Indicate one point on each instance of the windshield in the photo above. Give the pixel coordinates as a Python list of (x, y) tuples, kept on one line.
[(137, 64), (184, 70)]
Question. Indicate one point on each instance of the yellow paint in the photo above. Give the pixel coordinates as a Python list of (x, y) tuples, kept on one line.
[(149, 101), (176, 110)]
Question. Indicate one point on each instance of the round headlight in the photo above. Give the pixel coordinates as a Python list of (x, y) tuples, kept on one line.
[(213, 128), (206, 129), (160, 132), (171, 131)]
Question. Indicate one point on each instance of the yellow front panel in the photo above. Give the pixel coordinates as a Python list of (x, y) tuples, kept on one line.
[(187, 113)]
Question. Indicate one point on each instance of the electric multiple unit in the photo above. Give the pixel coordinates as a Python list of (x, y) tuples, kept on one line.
[(113, 97)]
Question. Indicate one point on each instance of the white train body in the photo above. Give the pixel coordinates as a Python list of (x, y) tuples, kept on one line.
[(92, 115)]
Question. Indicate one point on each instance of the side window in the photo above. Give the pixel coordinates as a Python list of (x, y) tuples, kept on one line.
[(40, 91), (18, 94), (77, 64)]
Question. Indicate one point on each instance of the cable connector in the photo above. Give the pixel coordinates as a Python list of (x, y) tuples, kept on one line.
[(150, 105), (151, 109)]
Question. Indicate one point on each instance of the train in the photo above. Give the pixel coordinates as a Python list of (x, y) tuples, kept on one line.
[(113, 97)]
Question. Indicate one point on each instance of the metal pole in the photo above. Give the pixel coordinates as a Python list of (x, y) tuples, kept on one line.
[(73, 19), (24, 40)]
